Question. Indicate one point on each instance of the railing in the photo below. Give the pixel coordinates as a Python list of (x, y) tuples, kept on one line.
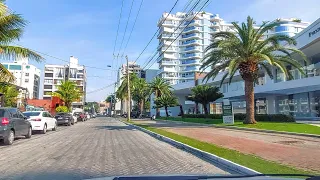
[(189, 28), (310, 71), (190, 41), (190, 48), (190, 55), (189, 35), (189, 62), (187, 22)]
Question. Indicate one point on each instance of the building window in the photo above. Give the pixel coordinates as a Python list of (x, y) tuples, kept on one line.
[(48, 75), (49, 81), (47, 86), (26, 80), (27, 74), (15, 67)]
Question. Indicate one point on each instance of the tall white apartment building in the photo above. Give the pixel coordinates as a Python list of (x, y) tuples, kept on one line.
[(181, 58), (27, 76), (54, 74)]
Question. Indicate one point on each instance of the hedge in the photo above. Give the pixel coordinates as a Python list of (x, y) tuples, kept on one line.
[(258, 117)]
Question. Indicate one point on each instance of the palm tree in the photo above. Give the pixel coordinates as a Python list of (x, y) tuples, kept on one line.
[(204, 95), (11, 29), (122, 91), (247, 50), (140, 93), (160, 87), (166, 101), (68, 92)]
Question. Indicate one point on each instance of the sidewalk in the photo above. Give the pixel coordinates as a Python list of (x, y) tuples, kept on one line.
[(296, 151)]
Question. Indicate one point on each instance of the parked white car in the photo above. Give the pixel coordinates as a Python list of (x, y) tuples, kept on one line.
[(75, 118), (41, 121)]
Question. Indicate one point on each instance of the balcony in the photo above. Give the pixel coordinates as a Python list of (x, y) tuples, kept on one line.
[(168, 36), (215, 24), (188, 55), (189, 61), (190, 42), (166, 56), (170, 49), (187, 22), (189, 68), (171, 62), (192, 48), (193, 35)]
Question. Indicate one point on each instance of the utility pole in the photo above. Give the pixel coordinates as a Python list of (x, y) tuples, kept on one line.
[(129, 94)]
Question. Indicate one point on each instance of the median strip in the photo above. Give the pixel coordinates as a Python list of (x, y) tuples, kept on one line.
[(252, 163)]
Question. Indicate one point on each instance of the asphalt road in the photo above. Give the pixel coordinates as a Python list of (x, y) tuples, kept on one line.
[(97, 148)]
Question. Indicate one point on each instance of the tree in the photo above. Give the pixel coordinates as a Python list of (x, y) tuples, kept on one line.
[(122, 91), (141, 91), (111, 98), (92, 106), (12, 26), (10, 94), (68, 92), (62, 109), (204, 94), (166, 101), (248, 50), (160, 87)]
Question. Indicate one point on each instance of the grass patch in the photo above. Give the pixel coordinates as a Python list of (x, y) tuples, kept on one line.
[(251, 161), (276, 126)]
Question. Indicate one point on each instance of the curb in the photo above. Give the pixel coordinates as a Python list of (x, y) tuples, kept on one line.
[(208, 156), (248, 129)]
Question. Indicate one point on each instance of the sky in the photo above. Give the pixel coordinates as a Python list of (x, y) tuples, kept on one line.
[(87, 29)]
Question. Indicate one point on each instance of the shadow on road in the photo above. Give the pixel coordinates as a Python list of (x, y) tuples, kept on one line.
[(115, 127)]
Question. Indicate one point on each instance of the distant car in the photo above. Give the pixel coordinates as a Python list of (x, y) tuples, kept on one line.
[(41, 121), (13, 124), (64, 118), (75, 118), (80, 116), (88, 115)]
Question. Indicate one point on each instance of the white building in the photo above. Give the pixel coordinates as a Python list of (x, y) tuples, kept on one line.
[(181, 59), (54, 74), (27, 76), (299, 96)]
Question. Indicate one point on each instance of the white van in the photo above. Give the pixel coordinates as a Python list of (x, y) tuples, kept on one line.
[(163, 113)]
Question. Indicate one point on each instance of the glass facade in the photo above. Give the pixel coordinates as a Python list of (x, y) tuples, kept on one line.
[(299, 105)]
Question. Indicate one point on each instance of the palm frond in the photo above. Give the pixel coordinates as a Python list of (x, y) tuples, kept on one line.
[(13, 52)]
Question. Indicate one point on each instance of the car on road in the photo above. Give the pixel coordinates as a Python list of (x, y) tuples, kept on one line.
[(75, 118), (41, 121), (64, 118), (80, 116), (13, 124)]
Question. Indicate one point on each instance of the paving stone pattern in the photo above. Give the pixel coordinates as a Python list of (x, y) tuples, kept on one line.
[(97, 148)]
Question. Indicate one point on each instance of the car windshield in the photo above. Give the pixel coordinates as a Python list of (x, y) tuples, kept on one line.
[(28, 114)]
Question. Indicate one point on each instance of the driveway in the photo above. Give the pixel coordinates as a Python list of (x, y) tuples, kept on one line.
[(298, 151), (96, 148)]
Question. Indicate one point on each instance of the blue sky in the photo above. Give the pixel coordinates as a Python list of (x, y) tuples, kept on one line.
[(87, 29)]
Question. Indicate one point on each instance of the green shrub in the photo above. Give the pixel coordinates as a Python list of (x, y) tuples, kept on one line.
[(62, 109), (241, 117)]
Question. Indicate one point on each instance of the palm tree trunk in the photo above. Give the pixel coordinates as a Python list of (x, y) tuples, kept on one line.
[(157, 110), (141, 108), (205, 108), (197, 108), (166, 108), (181, 110), (249, 95)]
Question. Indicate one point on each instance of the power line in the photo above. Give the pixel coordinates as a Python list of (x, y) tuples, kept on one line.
[(125, 29), (115, 42), (183, 21), (156, 31), (60, 59), (100, 89), (204, 5), (132, 28)]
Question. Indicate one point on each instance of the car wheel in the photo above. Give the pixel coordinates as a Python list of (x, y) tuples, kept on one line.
[(55, 127), (29, 133), (9, 139), (44, 129)]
